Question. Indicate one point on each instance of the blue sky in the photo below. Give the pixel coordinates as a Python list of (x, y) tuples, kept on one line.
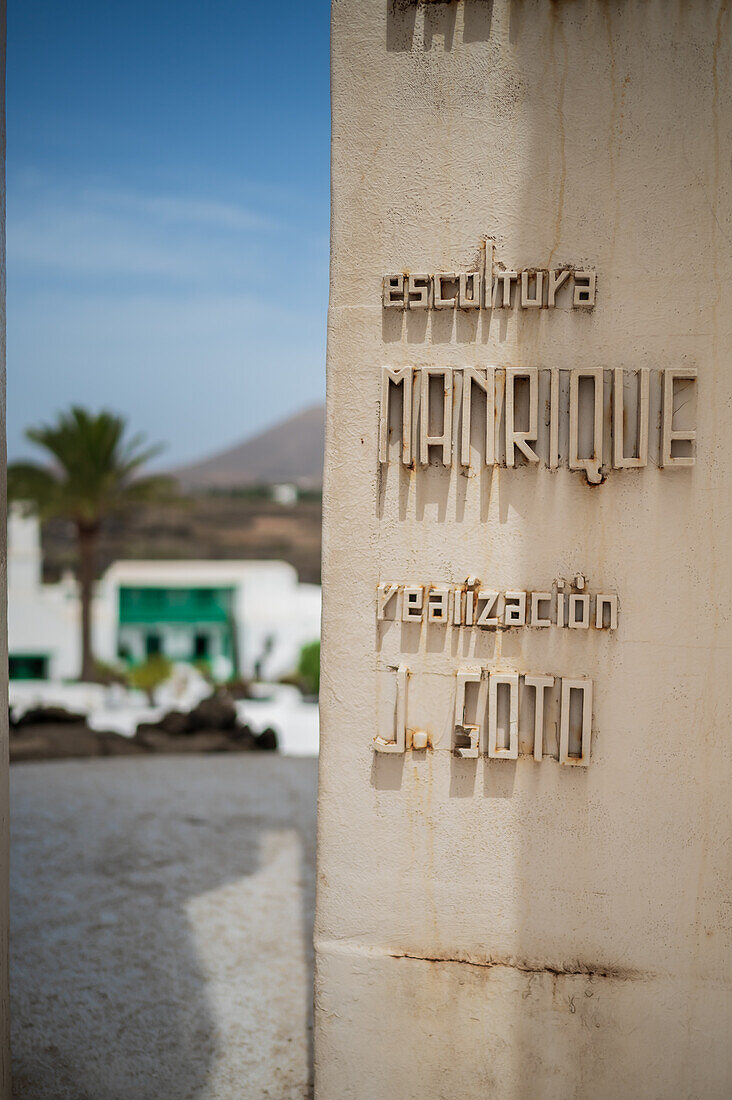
[(167, 214)]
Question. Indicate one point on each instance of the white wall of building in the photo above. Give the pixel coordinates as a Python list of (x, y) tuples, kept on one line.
[(43, 619), (269, 603)]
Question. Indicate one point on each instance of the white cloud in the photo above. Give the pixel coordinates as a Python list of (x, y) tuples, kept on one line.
[(106, 232), (189, 210)]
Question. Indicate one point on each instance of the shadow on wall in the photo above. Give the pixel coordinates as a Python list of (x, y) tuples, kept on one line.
[(410, 25), (161, 942)]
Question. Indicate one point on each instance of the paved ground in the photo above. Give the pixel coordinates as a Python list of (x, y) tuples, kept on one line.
[(161, 928)]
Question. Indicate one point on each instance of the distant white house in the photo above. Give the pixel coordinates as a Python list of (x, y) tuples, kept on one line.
[(285, 493), (248, 617)]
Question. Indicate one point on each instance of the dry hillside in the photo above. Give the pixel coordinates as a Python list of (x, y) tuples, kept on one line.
[(291, 451), (206, 525)]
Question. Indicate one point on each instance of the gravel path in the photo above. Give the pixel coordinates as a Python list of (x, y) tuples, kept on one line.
[(161, 928)]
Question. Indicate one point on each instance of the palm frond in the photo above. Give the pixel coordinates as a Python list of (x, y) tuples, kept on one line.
[(94, 467), (34, 485)]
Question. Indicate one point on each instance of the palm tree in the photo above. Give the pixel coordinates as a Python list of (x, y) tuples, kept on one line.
[(94, 473)]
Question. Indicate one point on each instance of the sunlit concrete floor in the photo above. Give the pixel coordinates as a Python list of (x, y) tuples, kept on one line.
[(161, 928)]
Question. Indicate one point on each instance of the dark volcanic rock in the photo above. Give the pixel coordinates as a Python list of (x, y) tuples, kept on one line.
[(267, 740), (215, 713), (156, 740), (116, 744), (68, 742), (39, 716), (214, 741), (175, 722), (244, 737), (211, 727)]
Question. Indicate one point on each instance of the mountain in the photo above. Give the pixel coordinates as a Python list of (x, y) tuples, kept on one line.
[(291, 451)]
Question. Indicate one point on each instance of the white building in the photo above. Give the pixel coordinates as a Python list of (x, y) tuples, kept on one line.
[(247, 616)]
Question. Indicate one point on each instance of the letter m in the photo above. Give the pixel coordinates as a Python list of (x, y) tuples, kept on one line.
[(391, 377)]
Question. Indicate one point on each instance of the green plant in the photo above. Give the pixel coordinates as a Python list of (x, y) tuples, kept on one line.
[(202, 665), (308, 668), (105, 673), (94, 473), (150, 674)]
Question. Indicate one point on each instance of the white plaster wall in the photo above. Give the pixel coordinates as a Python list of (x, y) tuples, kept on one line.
[(519, 929), (42, 619), (284, 611)]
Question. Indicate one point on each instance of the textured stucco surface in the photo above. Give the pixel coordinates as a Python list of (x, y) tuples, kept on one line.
[(161, 928), (501, 928)]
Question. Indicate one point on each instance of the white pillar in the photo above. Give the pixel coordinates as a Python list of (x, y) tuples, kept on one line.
[(515, 901)]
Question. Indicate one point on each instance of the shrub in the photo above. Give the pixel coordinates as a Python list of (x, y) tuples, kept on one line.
[(308, 668), (150, 674), (107, 674)]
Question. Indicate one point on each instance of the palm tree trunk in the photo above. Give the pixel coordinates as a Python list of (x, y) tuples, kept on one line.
[(87, 541)]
